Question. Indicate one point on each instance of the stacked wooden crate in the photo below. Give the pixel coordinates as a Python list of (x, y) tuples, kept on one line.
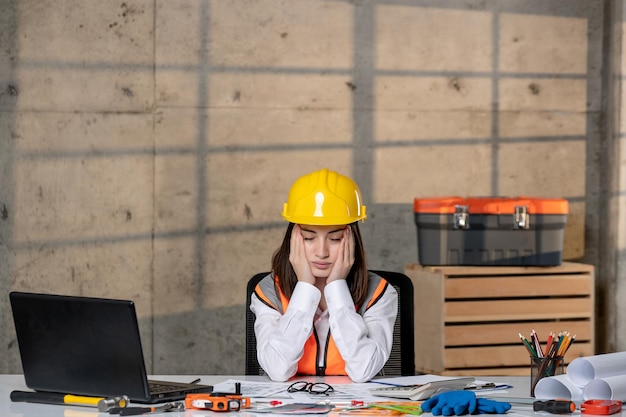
[(468, 318)]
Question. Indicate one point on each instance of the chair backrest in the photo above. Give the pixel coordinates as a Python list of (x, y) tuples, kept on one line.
[(252, 363), (402, 358)]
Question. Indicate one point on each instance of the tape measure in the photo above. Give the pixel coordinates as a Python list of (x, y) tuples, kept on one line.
[(601, 407), (216, 402)]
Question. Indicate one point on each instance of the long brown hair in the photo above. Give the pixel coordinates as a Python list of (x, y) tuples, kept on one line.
[(357, 277)]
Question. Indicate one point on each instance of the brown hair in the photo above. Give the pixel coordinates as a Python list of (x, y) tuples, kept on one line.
[(357, 278)]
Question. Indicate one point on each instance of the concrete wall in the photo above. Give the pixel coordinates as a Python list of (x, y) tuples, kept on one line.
[(617, 287), (147, 146)]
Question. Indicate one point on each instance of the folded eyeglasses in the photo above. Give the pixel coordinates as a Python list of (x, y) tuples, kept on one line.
[(319, 388)]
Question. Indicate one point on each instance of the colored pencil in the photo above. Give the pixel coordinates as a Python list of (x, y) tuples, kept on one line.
[(535, 339), (530, 349), (549, 343)]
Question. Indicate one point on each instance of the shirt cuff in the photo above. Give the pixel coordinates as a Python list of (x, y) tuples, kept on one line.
[(338, 295), (305, 297)]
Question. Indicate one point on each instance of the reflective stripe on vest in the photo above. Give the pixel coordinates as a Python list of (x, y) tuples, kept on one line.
[(269, 292)]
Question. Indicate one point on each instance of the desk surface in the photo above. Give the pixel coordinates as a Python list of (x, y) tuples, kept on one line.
[(9, 383)]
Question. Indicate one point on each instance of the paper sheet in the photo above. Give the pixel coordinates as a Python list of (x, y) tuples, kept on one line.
[(255, 389), (410, 380), (343, 392), (609, 388), (295, 408), (559, 386), (585, 369)]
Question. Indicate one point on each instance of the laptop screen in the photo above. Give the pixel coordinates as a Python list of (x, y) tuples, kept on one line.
[(79, 345)]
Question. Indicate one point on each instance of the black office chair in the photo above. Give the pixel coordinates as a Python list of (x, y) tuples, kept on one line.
[(402, 358), (252, 364)]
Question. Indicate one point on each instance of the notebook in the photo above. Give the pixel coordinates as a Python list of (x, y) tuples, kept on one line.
[(86, 346)]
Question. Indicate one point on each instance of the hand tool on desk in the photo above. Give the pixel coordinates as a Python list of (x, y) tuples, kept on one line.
[(601, 407), (218, 401), (135, 411), (103, 404), (106, 404), (555, 406)]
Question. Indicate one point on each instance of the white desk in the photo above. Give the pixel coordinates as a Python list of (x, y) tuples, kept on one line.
[(9, 383)]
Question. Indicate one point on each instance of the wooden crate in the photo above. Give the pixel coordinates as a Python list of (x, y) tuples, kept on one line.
[(468, 318)]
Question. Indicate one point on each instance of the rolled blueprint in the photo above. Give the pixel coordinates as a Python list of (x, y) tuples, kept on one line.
[(608, 388), (558, 386), (585, 369)]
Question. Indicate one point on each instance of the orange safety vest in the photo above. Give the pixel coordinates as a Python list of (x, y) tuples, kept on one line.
[(269, 292)]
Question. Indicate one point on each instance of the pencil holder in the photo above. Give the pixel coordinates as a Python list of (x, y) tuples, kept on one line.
[(543, 367)]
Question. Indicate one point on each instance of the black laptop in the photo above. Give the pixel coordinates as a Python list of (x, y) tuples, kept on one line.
[(87, 346)]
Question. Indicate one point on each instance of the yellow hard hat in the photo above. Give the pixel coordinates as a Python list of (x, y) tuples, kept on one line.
[(324, 198)]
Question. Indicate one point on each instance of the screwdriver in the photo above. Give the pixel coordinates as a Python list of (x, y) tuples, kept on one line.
[(555, 406), (134, 411)]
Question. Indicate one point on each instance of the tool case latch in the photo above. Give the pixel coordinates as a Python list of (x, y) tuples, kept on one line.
[(461, 217), (521, 218)]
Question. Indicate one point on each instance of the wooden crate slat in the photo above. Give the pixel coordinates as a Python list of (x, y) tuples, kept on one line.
[(502, 356), (517, 286), (507, 333), (564, 268), (502, 310), (525, 371)]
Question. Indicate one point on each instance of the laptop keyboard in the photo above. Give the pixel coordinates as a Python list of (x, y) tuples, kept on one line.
[(156, 388)]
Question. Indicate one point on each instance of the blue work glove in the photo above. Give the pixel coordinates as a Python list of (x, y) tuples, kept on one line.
[(487, 406), (451, 403)]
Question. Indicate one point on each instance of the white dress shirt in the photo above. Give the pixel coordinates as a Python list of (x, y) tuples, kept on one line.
[(364, 342)]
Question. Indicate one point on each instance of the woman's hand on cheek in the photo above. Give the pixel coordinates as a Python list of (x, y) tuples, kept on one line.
[(297, 257), (345, 257)]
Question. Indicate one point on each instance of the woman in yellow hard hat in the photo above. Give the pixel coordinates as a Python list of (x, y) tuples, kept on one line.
[(320, 312)]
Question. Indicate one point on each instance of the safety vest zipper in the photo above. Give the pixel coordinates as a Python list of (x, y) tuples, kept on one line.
[(321, 370)]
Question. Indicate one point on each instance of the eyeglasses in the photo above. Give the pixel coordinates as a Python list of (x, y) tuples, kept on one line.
[(319, 388)]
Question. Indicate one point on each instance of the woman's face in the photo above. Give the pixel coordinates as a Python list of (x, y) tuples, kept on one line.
[(321, 245)]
